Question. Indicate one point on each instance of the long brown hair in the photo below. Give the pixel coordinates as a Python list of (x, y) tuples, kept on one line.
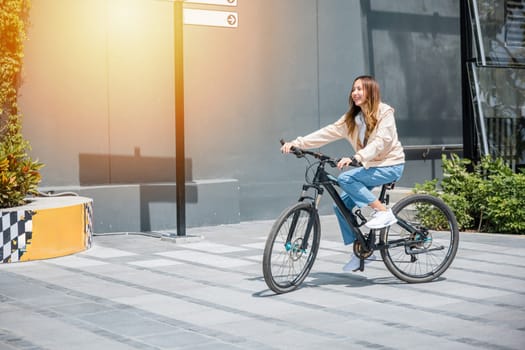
[(370, 107)]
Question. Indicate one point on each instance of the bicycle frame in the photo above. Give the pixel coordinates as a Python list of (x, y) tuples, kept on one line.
[(323, 180)]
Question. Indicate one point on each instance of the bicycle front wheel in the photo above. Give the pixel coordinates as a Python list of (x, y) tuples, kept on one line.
[(291, 247), (424, 242)]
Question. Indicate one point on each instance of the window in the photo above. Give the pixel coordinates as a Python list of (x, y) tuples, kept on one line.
[(497, 77)]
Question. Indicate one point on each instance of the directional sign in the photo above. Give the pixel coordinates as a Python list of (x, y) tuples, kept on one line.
[(211, 18), (214, 2)]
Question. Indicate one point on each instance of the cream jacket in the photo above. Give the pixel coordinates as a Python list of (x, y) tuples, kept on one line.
[(383, 147)]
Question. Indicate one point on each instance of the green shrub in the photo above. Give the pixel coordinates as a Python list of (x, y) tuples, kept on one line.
[(457, 203), (19, 175), (505, 208), (488, 199)]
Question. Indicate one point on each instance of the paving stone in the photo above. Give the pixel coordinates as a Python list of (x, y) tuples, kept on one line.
[(137, 291)]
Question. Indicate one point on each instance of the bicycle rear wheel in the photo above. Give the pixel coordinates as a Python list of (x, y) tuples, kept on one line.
[(291, 247), (424, 242)]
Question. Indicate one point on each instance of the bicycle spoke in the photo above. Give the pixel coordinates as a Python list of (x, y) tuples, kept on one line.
[(429, 234), (286, 264)]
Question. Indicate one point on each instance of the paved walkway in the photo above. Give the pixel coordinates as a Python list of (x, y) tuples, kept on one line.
[(133, 291)]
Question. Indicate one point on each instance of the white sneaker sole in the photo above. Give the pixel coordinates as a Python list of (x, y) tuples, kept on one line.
[(375, 227)]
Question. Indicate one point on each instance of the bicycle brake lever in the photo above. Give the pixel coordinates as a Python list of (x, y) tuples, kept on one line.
[(298, 153)]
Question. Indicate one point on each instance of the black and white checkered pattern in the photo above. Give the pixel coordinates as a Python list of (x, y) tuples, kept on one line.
[(88, 220), (17, 231)]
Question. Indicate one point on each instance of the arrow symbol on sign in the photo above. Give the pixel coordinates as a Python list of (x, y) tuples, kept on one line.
[(231, 19)]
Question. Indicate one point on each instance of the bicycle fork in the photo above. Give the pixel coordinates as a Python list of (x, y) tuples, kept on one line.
[(296, 247)]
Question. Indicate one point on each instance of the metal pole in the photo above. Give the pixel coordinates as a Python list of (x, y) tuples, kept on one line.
[(478, 32), (180, 176), (469, 132), (480, 111)]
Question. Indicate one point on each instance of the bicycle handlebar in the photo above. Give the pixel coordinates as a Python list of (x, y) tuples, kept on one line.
[(299, 153)]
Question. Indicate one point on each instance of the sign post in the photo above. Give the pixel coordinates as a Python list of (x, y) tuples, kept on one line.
[(197, 17), (180, 157)]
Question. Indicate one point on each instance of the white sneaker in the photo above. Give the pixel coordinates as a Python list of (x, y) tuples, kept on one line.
[(382, 219), (354, 263)]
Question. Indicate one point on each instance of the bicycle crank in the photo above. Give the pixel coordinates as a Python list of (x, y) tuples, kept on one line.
[(360, 251)]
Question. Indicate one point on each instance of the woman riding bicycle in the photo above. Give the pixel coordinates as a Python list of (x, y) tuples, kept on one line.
[(370, 128)]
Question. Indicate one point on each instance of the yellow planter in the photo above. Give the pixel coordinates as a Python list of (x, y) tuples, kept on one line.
[(47, 227)]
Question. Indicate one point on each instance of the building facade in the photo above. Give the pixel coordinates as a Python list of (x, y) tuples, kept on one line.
[(494, 63), (99, 107)]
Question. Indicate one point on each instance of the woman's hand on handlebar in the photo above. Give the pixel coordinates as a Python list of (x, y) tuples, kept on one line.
[(287, 147), (345, 161)]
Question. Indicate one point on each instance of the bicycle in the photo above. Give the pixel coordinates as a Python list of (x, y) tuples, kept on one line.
[(419, 248)]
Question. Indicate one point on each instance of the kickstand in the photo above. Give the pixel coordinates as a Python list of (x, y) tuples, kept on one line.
[(361, 265)]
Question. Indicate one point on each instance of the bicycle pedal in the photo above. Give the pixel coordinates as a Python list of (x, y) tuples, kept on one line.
[(360, 216)]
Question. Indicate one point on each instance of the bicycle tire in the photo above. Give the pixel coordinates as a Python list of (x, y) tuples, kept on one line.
[(285, 263), (411, 257)]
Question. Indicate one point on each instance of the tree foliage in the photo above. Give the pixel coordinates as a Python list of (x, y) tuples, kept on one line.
[(19, 174)]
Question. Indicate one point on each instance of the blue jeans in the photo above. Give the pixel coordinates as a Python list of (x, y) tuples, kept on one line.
[(357, 185)]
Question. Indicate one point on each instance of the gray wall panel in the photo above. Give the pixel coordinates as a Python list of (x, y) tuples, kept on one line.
[(98, 93)]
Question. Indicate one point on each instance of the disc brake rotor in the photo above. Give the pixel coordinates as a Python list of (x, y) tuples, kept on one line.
[(294, 249)]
